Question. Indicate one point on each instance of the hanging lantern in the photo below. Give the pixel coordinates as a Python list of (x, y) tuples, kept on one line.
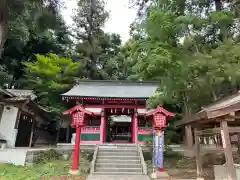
[(78, 119), (159, 121)]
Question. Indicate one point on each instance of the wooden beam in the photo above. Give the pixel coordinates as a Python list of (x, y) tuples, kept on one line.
[(234, 129), (198, 154), (33, 120), (209, 131), (67, 133), (228, 150)]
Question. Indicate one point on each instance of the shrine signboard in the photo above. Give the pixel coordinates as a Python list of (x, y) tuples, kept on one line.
[(159, 121), (78, 119)]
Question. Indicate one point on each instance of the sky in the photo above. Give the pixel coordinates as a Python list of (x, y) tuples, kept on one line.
[(121, 16)]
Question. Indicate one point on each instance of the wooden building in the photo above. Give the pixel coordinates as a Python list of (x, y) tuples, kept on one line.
[(215, 128), (23, 123)]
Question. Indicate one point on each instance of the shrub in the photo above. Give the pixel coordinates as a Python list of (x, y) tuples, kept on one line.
[(46, 156)]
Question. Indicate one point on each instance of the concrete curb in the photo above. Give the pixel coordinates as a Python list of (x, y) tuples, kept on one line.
[(144, 166), (92, 169)]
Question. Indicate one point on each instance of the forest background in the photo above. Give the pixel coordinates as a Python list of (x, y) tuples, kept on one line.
[(191, 47)]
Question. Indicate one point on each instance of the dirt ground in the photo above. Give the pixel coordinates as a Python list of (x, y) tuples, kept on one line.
[(180, 167), (190, 173)]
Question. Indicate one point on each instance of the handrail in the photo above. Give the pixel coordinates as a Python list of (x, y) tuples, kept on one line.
[(92, 169), (144, 166)]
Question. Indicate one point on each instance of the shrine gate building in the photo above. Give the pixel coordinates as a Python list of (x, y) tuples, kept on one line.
[(114, 111)]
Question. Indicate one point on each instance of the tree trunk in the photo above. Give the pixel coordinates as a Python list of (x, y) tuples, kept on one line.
[(3, 23), (181, 4), (214, 95), (223, 28), (185, 105), (218, 5)]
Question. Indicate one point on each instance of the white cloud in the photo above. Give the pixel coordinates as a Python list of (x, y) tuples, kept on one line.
[(121, 16)]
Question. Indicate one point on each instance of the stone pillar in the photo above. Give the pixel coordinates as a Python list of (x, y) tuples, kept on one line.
[(189, 136)]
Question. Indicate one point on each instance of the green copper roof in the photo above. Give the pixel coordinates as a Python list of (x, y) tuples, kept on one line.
[(113, 89)]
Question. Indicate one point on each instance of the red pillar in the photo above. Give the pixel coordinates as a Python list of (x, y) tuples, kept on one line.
[(133, 129), (136, 128), (105, 127), (76, 150), (102, 128)]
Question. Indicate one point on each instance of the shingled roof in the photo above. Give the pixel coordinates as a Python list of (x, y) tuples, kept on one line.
[(19, 94), (113, 89)]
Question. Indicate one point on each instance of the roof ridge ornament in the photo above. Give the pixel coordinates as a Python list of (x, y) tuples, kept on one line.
[(160, 109)]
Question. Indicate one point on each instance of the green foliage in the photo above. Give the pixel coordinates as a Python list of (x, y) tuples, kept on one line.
[(195, 58), (50, 76), (33, 27)]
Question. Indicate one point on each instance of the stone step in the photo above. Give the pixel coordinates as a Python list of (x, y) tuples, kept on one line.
[(117, 147), (118, 153), (116, 173), (123, 170), (118, 157), (118, 161), (117, 150), (114, 165)]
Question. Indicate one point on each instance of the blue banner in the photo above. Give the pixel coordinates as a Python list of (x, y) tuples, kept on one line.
[(159, 148)]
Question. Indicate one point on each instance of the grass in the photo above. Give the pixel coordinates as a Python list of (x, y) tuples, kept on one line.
[(44, 170)]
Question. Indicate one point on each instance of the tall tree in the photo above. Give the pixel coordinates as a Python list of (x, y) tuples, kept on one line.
[(43, 12), (3, 23), (89, 20), (29, 34)]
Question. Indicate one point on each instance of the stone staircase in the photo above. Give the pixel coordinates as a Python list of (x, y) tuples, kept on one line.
[(119, 159)]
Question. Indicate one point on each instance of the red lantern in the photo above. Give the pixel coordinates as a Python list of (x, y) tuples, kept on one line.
[(78, 119), (159, 121)]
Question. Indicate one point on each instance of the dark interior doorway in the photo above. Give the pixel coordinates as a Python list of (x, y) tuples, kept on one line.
[(24, 130), (119, 131)]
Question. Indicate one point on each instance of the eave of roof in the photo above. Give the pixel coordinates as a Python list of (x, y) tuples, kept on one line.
[(21, 94), (125, 82), (217, 109), (4, 91)]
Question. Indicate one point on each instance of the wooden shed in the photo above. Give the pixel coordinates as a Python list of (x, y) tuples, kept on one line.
[(215, 128)]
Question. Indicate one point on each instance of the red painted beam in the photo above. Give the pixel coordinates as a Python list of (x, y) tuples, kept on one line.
[(132, 106)]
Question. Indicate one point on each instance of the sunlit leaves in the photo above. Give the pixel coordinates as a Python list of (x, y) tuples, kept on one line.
[(50, 76)]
